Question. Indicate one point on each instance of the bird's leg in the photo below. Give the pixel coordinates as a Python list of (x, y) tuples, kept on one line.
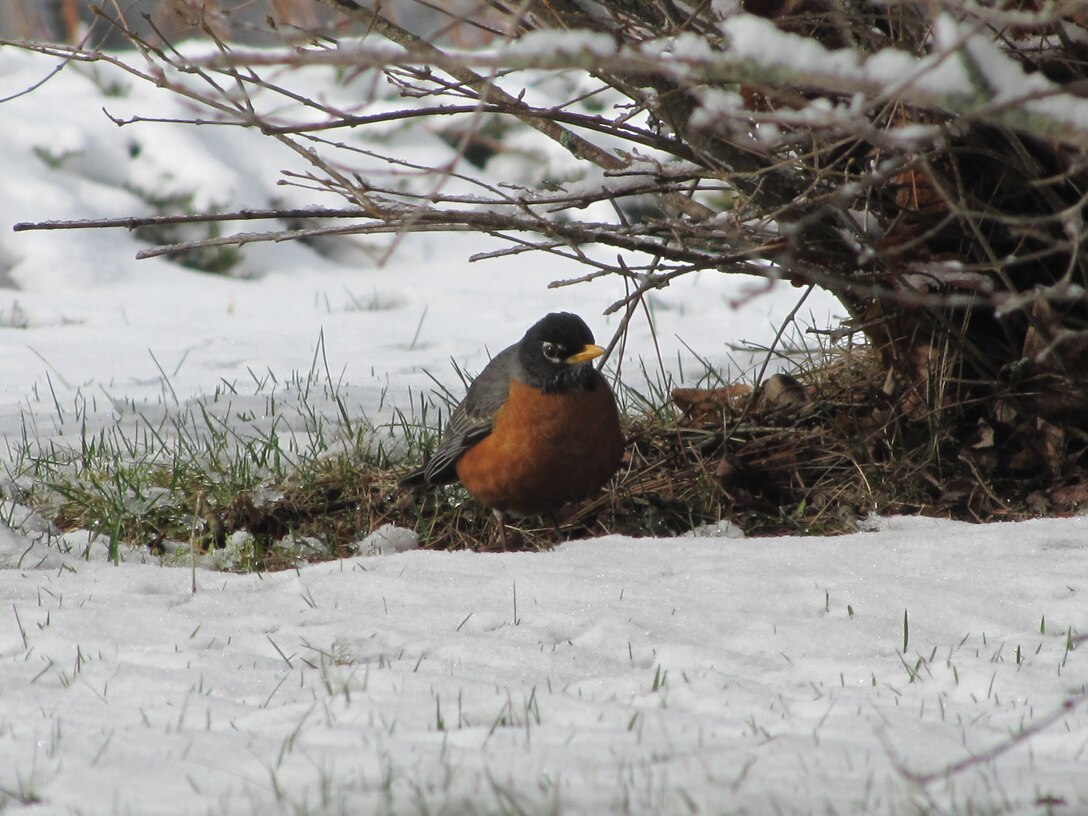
[(500, 519), (555, 525)]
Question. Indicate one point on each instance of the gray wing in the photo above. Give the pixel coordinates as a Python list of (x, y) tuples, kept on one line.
[(471, 420)]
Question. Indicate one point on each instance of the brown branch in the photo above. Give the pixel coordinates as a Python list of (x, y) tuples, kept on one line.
[(454, 220), (995, 751), (688, 70), (489, 92), (579, 147), (132, 222)]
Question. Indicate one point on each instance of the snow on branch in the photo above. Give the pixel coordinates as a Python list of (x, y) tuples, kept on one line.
[(931, 154), (965, 75)]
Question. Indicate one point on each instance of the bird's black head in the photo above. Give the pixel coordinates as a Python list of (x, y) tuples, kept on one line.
[(556, 350)]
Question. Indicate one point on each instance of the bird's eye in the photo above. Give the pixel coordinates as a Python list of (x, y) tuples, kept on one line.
[(552, 351)]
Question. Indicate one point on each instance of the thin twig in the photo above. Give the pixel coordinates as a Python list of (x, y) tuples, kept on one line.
[(134, 221)]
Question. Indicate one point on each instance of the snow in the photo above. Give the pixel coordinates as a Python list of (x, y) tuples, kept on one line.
[(701, 674), (761, 42), (612, 675), (578, 43), (967, 72)]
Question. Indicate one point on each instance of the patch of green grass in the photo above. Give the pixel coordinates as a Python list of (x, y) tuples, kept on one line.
[(53, 159), (106, 81), (283, 461), (215, 260), (268, 473), (13, 317)]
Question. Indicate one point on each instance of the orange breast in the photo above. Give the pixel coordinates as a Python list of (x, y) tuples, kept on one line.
[(544, 450)]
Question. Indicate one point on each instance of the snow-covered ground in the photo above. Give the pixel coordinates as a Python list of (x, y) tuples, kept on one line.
[(853, 674)]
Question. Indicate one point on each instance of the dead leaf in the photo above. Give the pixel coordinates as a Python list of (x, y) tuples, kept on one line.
[(1071, 496), (702, 405)]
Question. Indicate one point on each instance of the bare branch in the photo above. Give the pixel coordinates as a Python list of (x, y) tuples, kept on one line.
[(132, 222), (1001, 748), (925, 162), (1047, 111)]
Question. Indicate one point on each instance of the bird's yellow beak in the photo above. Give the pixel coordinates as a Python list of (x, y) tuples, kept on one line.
[(590, 352)]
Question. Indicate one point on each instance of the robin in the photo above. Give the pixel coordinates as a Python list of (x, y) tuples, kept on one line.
[(538, 428)]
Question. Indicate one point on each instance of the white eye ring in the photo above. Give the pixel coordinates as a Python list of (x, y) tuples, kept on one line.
[(551, 352)]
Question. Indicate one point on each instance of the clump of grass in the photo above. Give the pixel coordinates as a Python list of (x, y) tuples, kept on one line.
[(281, 472), (282, 458), (14, 317), (53, 159)]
